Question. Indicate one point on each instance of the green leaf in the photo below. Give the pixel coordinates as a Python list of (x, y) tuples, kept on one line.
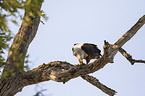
[(14, 21)]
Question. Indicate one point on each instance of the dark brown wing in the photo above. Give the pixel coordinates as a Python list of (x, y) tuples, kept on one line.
[(91, 49)]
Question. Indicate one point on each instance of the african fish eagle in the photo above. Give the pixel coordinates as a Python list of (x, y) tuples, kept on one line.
[(86, 51)]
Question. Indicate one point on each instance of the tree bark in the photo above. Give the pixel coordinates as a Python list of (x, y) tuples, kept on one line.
[(13, 81), (10, 82), (22, 40)]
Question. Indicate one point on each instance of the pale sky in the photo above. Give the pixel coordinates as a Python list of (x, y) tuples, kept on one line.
[(78, 21)]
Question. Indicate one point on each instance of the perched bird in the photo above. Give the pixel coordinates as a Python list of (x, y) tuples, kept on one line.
[(86, 51)]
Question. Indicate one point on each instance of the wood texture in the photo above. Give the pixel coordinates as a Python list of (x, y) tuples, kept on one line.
[(58, 71)]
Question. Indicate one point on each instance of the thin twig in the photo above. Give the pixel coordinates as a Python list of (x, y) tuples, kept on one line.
[(129, 57)]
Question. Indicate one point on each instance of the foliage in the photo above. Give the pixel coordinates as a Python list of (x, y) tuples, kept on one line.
[(4, 38), (10, 12), (8, 9)]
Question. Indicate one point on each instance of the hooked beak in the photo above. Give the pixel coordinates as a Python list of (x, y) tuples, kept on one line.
[(80, 60)]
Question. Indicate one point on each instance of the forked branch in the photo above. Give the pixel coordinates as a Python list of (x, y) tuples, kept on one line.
[(62, 71), (129, 57), (59, 71)]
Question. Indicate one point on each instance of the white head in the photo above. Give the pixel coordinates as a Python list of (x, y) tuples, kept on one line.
[(78, 52)]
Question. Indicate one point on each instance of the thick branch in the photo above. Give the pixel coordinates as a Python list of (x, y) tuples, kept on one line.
[(63, 71), (57, 71), (26, 33), (130, 33), (127, 36)]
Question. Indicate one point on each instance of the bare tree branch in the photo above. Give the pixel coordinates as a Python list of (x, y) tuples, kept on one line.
[(129, 57), (126, 55), (63, 71), (127, 36), (58, 71), (94, 81), (130, 33)]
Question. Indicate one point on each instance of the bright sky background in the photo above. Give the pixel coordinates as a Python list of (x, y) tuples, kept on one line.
[(78, 21)]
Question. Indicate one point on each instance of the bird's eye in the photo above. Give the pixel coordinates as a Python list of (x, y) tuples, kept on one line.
[(75, 54)]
